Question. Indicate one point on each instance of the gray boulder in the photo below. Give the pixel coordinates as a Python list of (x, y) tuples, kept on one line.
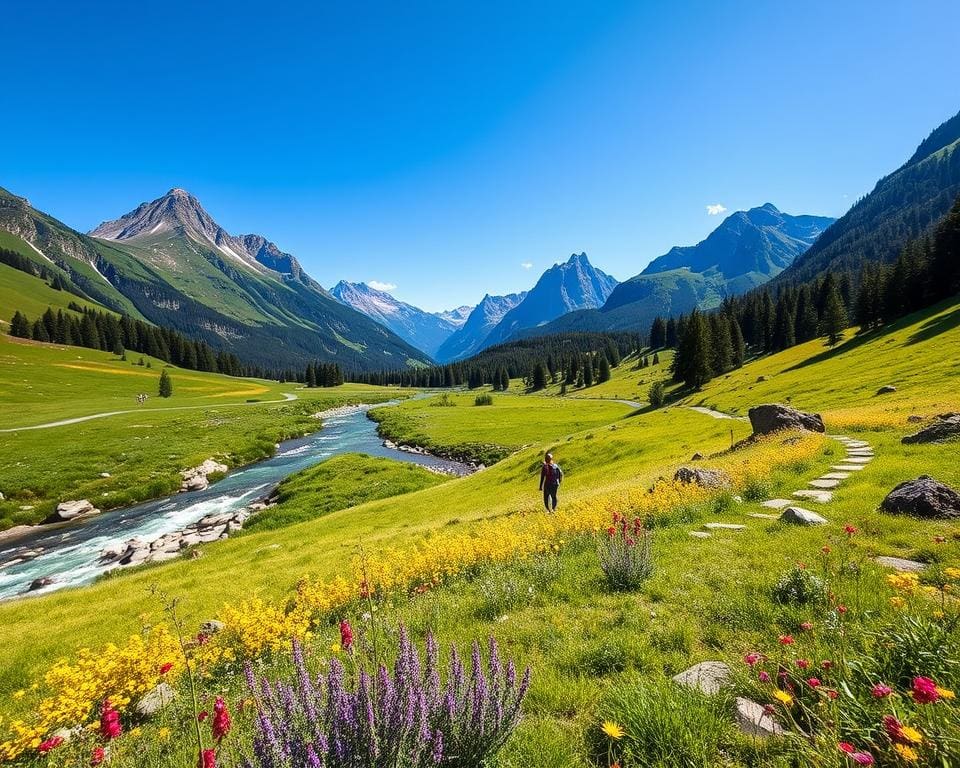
[(943, 427), (43, 581), (705, 478), (753, 720), (801, 516), (707, 677), (68, 510), (155, 700), (773, 417), (924, 498)]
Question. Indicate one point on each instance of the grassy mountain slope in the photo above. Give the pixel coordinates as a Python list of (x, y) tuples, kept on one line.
[(902, 206)]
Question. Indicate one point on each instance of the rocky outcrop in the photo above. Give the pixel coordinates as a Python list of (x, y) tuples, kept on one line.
[(705, 478), (70, 510), (944, 427), (924, 498), (773, 417), (195, 479)]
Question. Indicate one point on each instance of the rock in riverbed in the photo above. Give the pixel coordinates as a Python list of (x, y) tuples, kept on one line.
[(923, 497), (195, 479), (69, 510), (773, 417)]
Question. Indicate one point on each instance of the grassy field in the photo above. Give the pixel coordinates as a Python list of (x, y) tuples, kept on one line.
[(31, 295), (597, 653), (339, 483), (454, 425), (209, 415)]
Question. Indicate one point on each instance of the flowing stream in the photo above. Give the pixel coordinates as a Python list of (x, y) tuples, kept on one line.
[(71, 551)]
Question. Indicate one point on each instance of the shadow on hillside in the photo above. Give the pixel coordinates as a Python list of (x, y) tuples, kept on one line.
[(858, 340), (935, 326)]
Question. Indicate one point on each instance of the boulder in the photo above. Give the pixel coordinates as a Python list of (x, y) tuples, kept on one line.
[(104, 474), (901, 564), (155, 700), (773, 417), (943, 427), (708, 677), (705, 478), (68, 510), (887, 389), (697, 456), (43, 581), (196, 483), (212, 626), (924, 498), (753, 719), (801, 516)]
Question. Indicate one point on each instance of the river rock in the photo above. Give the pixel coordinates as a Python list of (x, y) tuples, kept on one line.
[(772, 417), (155, 700), (705, 478), (68, 510), (801, 516), (708, 677), (195, 479), (43, 581), (886, 389), (943, 427), (924, 498)]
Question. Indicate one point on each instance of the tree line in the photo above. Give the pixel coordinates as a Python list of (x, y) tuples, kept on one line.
[(709, 344)]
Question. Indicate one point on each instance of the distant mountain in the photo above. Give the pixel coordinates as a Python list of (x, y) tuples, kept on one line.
[(902, 206), (567, 287), (424, 330), (746, 250), (456, 316), (481, 321), (169, 262)]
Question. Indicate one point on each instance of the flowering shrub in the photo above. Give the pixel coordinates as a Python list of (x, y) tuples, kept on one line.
[(407, 718), (625, 553), (799, 586)]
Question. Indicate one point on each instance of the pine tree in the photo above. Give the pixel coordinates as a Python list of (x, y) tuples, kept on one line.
[(20, 326), (166, 384), (538, 378), (656, 358), (834, 317), (604, 369), (587, 372), (721, 345), (658, 333), (737, 343)]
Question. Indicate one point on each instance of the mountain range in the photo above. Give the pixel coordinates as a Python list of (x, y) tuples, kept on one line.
[(170, 263)]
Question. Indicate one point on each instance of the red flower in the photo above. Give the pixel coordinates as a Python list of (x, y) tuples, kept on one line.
[(97, 756), (841, 609), (832, 694), (202, 717), (203, 638), (846, 746), (346, 635), (751, 658), (110, 727), (786, 639), (881, 691), (763, 677), (166, 668), (803, 663), (208, 759), (894, 728), (806, 626), (630, 542), (611, 531), (849, 530), (221, 719), (51, 743), (826, 664), (814, 682), (925, 690)]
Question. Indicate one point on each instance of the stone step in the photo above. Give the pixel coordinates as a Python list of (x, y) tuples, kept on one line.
[(724, 526), (821, 497), (700, 534), (821, 483), (859, 459), (847, 467), (762, 516), (901, 564), (801, 516), (776, 503), (835, 476)]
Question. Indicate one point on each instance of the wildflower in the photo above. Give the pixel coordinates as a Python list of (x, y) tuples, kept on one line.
[(208, 759), (900, 733), (203, 638), (98, 755), (846, 746), (221, 724), (826, 664), (751, 658), (783, 697), (134, 732), (764, 677), (825, 549), (335, 648), (806, 626), (202, 717), (163, 734), (897, 602), (952, 572), (832, 694), (611, 531), (880, 691), (612, 729), (346, 635), (862, 758), (946, 693), (841, 609), (802, 663), (924, 690), (786, 639), (814, 682), (907, 754), (849, 530), (166, 668), (19, 694), (49, 744), (110, 727)]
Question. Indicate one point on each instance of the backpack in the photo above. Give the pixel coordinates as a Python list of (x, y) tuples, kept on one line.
[(553, 474)]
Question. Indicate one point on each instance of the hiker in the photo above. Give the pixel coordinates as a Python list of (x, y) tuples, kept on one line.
[(550, 478)]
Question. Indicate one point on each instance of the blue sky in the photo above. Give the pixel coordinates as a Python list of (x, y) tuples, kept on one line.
[(443, 147)]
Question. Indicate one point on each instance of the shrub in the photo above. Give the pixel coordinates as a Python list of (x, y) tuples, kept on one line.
[(656, 395), (625, 556), (403, 719), (443, 401), (484, 399), (799, 586)]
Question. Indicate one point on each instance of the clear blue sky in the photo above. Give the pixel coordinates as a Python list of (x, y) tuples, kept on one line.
[(442, 146)]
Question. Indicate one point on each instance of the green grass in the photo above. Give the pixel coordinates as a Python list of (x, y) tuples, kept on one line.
[(489, 433), (338, 483), (32, 296)]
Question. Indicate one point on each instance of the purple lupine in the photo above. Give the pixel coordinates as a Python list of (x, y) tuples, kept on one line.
[(399, 720)]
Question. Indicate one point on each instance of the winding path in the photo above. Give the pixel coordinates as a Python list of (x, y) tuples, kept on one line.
[(287, 397)]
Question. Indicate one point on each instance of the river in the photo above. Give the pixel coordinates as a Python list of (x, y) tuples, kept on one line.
[(71, 551)]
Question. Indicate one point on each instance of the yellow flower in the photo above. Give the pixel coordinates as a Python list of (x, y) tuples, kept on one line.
[(897, 602), (909, 754), (335, 647), (783, 697), (164, 733), (612, 729), (946, 693), (908, 733), (952, 573), (19, 694), (134, 732)]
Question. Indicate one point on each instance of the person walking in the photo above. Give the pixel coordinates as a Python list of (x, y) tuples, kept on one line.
[(550, 478)]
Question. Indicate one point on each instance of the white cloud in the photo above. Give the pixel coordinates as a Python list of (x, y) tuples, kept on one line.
[(716, 209), (526, 264), (377, 285)]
